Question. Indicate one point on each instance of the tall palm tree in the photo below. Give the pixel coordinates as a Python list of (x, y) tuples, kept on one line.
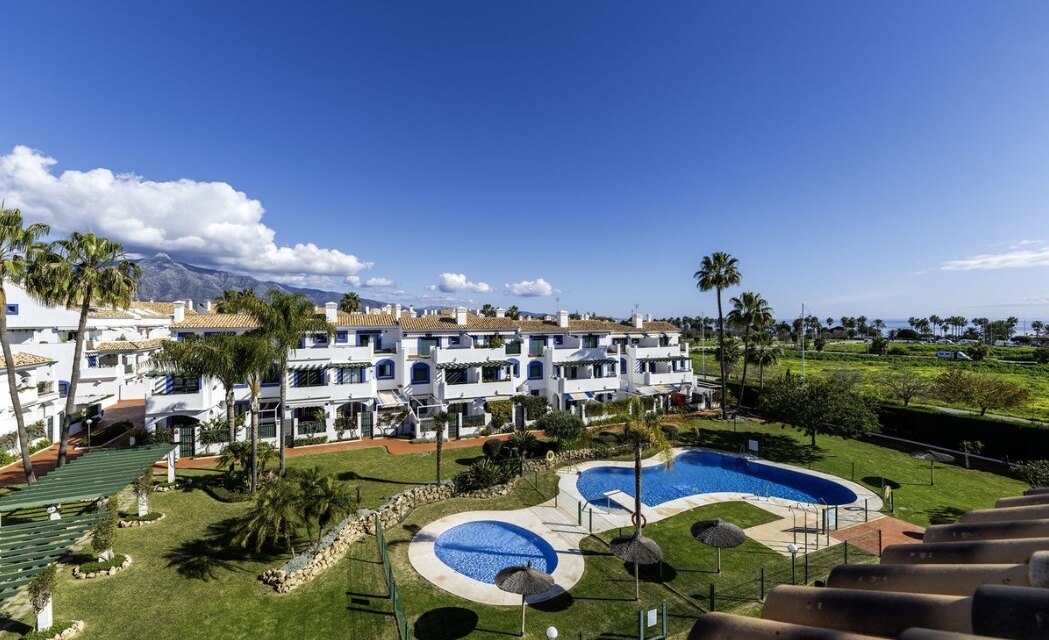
[(750, 312), (80, 271), (513, 312), (642, 431), (440, 425), (19, 250), (350, 303), (285, 319), (719, 271), (764, 353), (232, 299)]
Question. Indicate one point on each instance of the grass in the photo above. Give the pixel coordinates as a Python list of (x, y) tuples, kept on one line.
[(187, 584)]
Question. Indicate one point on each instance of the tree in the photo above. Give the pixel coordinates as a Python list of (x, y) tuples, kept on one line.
[(879, 346), (751, 313), (323, 500), (977, 351), (284, 319), (350, 303), (272, 517), (903, 383), (440, 426), (719, 271), (562, 426), (730, 353), (982, 392), (488, 310), (20, 249), (820, 343), (819, 406), (80, 271), (764, 353), (513, 313), (644, 431), (232, 300)]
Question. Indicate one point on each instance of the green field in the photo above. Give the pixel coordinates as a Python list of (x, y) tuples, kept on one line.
[(930, 350), (186, 583)]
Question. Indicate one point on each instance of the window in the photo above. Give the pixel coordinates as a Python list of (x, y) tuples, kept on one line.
[(573, 372), (590, 342), (489, 374), (384, 369), (513, 348), (63, 388), (320, 339), (622, 365), (12, 309), (92, 362), (309, 378), (351, 375), (453, 341), (535, 370), (426, 344), (455, 376), (516, 367), (420, 373), (536, 345), (342, 337), (364, 339), (559, 341), (183, 385)]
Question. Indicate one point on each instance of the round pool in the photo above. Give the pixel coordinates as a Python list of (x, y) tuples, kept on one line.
[(695, 472), (483, 548)]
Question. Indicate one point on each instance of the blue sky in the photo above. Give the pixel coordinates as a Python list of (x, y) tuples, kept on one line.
[(886, 159)]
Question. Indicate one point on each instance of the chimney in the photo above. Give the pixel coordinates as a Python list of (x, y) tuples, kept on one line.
[(648, 317), (189, 304), (562, 318), (207, 306), (331, 312), (460, 315), (411, 311), (397, 312), (500, 312), (637, 320), (180, 310), (367, 309)]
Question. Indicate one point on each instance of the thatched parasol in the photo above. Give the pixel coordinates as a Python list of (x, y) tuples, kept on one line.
[(933, 457), (524, 581), (718, 534), (638, 549)]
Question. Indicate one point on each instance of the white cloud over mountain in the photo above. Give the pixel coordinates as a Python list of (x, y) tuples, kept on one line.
[(530, 288), (208, 223), (453, 282)]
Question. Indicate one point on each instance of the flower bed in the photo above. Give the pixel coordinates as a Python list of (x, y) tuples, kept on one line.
[(133, 520), (90, 570), (58, 631)]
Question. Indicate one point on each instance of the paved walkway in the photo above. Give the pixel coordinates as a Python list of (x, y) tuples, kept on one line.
[(893, 531)]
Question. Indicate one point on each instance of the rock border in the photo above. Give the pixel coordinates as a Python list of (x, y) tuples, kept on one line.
[(75, 629), (112, 571), (126, 524)]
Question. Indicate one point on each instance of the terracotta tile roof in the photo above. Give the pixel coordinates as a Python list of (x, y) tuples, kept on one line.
[(216, 321), (26, 360), (594, 326), (364, 319), (149, 309), (445, 322), (129, 345)]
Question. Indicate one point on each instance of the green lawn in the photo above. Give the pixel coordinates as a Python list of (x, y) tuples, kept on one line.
[(185, 583)]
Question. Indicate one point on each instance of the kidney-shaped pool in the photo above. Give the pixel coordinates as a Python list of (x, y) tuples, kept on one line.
[(483, 548), (696, 472)]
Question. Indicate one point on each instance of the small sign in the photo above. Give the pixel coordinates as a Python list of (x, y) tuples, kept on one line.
[(752, 446), (652, 617)]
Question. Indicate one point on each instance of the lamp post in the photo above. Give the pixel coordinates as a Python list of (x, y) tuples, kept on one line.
[(87, 424), (793, 548)]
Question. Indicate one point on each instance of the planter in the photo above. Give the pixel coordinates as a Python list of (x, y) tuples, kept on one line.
[(125, 524), (102, 573)]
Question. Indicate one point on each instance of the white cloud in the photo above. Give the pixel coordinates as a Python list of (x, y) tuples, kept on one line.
[(353, 281), (452, 282), (530, 288), (207, 223), (382, 283), (1015, 258)]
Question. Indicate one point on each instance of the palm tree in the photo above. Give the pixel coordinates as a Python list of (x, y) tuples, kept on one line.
[(719, 271), (19, 249), (750, 312), (273, 517), (350, 303), (513, 312), (645, 431), (764, 353), (80, 271), (323, 499), (284, 319), (440, 424), (231, 300)]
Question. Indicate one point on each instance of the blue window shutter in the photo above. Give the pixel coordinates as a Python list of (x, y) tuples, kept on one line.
[(364, 375), (169, 384)]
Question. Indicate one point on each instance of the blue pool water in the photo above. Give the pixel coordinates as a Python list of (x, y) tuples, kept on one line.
[(483, 548), (697, 472)]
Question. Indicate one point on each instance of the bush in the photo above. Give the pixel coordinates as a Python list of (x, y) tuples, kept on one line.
[(94, 565), (525, 443), (103, 535), (502, 411), (40, 446), (977, 352), (7, 458), (42, 587), (536, 406), (308, 440), (670, 431), (561, 425), (879, 346), (134, 517), (485, 473), (1041, 355), (1034, 472), (223, 493), (492, 448)]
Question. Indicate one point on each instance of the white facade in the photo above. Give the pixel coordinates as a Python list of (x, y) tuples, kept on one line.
[(38, 394)]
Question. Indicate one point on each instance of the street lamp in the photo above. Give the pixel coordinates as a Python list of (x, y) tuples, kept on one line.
[(87, 423), (551, 633), (793, 548)]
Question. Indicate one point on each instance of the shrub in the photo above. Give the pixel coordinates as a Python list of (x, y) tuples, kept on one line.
[(492, 448), (525, 443), (536, 406), (485, 473), (104, 565), (308, 440), (103, 535), (6, 458), (1041, 355), (501, 410), (977, 351), (223, 493), (561, 425), (42, 587), (670, 431), (40, 446), (879, 346), (134, 517), (56, 630), (1034, 472)]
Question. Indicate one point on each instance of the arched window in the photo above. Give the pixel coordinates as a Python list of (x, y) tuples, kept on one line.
[(420, 373), (535, 370), (384, 369), (516, 367)]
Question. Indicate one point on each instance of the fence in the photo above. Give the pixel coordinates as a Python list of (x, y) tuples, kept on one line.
[(403, 632)]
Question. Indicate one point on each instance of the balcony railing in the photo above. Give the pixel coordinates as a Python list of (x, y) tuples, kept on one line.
[(474, 421), (310, 427)]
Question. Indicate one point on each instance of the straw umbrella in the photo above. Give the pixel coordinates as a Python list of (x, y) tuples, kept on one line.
[(524, 581), (718, 534), (933, 457), (638, 549)]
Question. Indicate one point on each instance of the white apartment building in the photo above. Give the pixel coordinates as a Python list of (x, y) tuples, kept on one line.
[(38, 394), (386, 373)]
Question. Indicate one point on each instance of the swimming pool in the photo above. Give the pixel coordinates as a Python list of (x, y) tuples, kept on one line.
[(483, 548), (696, 472)]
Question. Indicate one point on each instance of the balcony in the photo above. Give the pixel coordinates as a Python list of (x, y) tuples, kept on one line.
[(332, 353), (445, 392), (673, 378), (464, 355), (175, 402), (566, 356), (669, 351), (319, 392), (353, 390), (607, 384)]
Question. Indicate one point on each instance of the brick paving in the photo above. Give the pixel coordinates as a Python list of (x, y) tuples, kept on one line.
[(893, 531)]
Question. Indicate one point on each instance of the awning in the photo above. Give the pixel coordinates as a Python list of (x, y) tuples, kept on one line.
[(308, 366), (460, 401), (390, 399), (580, 396), (350, 365), (580, 363), (487, 364), (498, 398), (664, 359)]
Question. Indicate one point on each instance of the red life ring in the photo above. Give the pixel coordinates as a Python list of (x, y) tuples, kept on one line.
[(633, 520)]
